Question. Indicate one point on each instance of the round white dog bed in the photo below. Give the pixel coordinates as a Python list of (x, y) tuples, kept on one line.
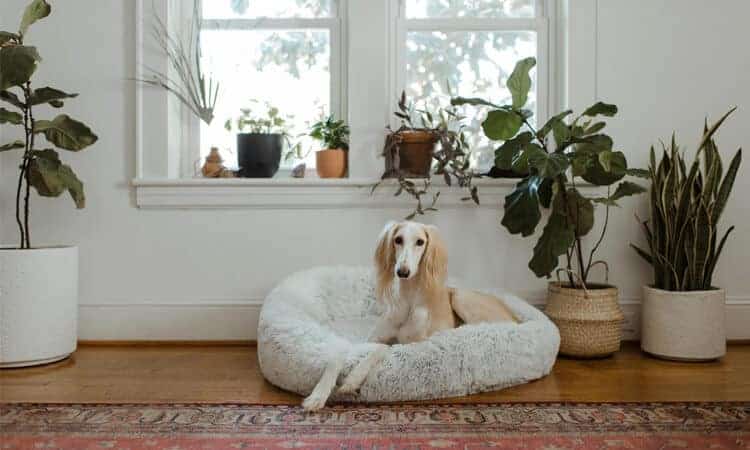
[(318, 314)]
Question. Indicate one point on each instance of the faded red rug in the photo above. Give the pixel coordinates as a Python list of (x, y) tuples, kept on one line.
[(507, 426)]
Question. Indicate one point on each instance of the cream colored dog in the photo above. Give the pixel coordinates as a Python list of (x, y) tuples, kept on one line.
[(411, 267)]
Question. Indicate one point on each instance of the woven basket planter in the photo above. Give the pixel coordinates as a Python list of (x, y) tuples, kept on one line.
[(590, 322)]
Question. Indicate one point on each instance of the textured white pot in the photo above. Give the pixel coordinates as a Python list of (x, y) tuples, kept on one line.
[(38, 305), (685, 326)]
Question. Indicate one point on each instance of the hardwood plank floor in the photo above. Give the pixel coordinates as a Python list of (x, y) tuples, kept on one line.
[(230, 374)]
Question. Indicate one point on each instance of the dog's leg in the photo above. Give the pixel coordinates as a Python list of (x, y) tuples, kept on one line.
[(384, 331), (319, 396), (359, 374)]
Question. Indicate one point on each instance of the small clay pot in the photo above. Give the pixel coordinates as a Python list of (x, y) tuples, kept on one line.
[(415, 150), (331, 163)]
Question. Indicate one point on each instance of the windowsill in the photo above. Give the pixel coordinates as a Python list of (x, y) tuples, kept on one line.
[(302, 193)]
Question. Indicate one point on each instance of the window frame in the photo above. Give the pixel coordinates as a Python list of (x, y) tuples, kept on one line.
[(540, 24), (368, 88), (336, 27)]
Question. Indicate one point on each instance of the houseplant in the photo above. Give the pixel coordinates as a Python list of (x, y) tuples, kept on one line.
[(38, 285), (683, 313), (409, 149), (558, 157), (334, 134), (450, 156), (259, 150)]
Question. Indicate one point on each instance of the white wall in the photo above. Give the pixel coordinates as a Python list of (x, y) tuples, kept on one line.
[(201, 274)]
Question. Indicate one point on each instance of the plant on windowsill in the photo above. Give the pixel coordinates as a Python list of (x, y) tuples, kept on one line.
[(38, 285), (683, 248), (261, 139), (556, 156), (410, 151), (331, 162)]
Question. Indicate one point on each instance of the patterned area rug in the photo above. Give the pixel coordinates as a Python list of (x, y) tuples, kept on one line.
[(507, 426)]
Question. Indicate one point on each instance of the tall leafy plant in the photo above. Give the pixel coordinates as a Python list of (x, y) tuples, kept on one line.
[(40, 168), (558, 157), (686, 207)]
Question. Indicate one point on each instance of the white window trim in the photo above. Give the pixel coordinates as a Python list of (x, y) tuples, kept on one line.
[(372, 85)]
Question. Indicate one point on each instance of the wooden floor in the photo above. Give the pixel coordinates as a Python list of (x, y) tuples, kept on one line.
[(229, 374)]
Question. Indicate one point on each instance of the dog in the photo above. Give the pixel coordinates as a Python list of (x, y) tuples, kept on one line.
[(411, 265)]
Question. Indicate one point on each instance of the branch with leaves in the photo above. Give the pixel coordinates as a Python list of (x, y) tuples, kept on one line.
[(554, 156), (40, 168)]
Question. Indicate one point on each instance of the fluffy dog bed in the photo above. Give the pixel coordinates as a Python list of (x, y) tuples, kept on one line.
[(317, 314)]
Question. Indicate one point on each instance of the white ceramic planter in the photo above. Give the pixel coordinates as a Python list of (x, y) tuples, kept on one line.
[(38, 305), (685, 326)]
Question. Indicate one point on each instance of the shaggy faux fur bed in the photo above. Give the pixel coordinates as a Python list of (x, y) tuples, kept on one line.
[(318, 313)]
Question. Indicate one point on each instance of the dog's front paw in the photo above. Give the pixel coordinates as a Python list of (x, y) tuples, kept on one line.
[(314, 402), (349, 388)]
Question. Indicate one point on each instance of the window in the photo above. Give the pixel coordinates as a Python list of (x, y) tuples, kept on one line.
[(469, 48), (282, 53)]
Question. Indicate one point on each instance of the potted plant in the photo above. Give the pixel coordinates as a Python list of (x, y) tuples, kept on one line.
[(38, 285), (683, 313), (408, 150), (259, 150), (558, 157), (334, 134), (451, 159)]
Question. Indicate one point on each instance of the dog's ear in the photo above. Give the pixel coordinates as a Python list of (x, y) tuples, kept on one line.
[(435, 259), (385, 256)]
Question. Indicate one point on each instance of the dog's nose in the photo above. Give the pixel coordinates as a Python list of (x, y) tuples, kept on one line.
[(403, 273)]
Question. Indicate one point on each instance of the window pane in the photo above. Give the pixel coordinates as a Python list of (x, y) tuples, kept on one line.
[(244, 9), (473, 64), (422, 9), (288, 69)]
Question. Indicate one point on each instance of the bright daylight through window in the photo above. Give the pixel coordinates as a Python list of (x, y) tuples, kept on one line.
[(285, 56), (466, 48), (272, 57)]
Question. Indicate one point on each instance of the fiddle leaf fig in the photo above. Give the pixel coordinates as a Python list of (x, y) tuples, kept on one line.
[(17, 64), (519, 82), (9, 97), (10, 117), (601, 109), (66, 133), (37, 9), (558, 236), (6, 37), (597, 174), (50, 95), (50, 177), (522, 207), (508, 152), (502, 124)]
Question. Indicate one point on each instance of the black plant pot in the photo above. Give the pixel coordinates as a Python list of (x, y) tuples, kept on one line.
[(259, 154)]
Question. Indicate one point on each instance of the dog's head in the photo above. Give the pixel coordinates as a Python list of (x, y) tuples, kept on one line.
[(410, 250)]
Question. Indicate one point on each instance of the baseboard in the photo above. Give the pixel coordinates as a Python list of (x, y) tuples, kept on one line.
[(237, 321)]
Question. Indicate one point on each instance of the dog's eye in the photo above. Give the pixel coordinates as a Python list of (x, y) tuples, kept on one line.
[(420, 242), (399, 240)]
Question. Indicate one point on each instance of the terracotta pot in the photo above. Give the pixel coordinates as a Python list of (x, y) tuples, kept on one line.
[(590, 322), (684, 326), (415, 153), (331, 163)]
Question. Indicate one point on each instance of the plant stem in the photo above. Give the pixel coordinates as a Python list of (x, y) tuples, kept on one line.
[(18, 204), (601, 238), (30, 146)]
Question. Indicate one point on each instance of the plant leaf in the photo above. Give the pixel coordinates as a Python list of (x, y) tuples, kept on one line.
[(37, 9), (639, 173), (12, 146), (544, 131), (50, 177), (726, 187), (502, 125), (11, 98), (17, 64), (10, 117), (50, 95), (66, 133), (596, 174), (580, 212), (519, 82), (557, 237), (6, 37), (601, 109), (522, 207), (644, 254), (474, 101), (508, 152)]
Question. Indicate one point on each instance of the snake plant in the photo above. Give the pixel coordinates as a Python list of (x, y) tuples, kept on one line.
[(686, 206)]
